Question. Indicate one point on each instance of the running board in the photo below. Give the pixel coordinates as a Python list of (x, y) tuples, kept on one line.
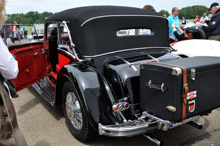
[(46, 90)]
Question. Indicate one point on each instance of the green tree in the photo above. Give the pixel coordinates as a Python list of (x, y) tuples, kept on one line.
[(44, 15), (24, 21), (30, 21), (17, 18), (34, 15), (164, 12), (190, 12), (29, 18)]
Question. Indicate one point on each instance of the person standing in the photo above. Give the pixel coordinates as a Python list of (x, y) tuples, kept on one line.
[(173, 19), (151, 8), (24, 28), (183, 20), (8, 70), (213, 28), (204, 17), (198, 20), (18, 31), (12, 33), (195, 20)]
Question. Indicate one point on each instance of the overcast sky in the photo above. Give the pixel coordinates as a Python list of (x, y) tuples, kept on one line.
[(24, 6)]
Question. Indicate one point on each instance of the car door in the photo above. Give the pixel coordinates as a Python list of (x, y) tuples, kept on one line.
[(32, 63)]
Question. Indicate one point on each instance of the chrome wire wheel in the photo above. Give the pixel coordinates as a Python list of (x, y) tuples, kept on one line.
[(76, 119), (73, 111)]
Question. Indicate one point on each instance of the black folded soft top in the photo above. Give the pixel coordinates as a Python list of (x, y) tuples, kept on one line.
[(93, 29)]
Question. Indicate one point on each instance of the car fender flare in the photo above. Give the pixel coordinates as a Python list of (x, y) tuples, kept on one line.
[(93, 95)]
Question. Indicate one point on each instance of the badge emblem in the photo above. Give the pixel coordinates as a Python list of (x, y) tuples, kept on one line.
[(192, 105), (191, 95)]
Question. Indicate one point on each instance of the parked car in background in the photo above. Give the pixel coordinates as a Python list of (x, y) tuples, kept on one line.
[(188, 22), (197, 47), (114, 85), (38, 30)]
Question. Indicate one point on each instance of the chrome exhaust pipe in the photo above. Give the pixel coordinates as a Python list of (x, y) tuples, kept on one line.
[(153, 139), (195, 124)]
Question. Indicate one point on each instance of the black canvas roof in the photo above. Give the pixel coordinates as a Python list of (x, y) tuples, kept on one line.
[(93, 29)]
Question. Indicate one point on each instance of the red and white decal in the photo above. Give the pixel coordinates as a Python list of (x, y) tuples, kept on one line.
[(192, 105), (191, 95)]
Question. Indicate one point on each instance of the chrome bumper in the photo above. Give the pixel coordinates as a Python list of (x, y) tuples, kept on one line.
[(140, 126), (117, 131)]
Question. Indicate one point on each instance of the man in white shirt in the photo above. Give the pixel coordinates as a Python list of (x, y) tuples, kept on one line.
[(204, 17), (8, 64)]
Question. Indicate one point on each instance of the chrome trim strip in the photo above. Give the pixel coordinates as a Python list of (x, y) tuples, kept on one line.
[(97, 17), (132, 49), (67, 53), (109, 92), (71, 42), (130, 64), (150, 56)]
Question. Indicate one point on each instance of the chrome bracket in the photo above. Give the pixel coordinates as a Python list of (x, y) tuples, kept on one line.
[(176, 71), (193, 74), (35, 54)]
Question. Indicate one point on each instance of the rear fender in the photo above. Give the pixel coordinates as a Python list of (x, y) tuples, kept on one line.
[(91, 88)]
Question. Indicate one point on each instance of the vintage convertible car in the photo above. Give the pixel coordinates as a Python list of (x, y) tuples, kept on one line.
[(101, 77)]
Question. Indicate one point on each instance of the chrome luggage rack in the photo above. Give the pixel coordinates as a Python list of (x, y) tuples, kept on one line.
[(165, 124)]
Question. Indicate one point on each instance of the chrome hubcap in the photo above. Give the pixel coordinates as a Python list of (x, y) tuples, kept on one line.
[(73, 110)]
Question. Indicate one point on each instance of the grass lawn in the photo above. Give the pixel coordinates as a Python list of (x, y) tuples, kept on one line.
[(29, 29)]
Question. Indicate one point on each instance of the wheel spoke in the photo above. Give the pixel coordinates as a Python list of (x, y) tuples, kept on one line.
[(73, 110)]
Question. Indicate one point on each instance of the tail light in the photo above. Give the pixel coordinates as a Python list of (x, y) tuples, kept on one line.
[(120, 106)]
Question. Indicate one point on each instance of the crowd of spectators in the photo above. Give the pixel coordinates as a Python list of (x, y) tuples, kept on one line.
[(212, 26)]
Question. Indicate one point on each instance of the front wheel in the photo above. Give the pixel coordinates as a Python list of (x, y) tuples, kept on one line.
[(76, 118)]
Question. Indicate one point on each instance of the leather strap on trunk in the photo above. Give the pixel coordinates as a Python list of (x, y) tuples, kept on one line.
[(185, 87)]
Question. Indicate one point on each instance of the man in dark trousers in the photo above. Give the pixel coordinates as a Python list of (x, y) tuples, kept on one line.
[(213, 29)]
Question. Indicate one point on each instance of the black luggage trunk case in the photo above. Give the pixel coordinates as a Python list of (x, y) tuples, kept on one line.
[(203, 79)]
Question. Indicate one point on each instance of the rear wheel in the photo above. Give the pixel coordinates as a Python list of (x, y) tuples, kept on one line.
[(76, 118)]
